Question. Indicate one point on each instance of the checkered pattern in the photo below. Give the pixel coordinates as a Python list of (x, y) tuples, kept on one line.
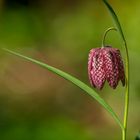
[(105, 64)]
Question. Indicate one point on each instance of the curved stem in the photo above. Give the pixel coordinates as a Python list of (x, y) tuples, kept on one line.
[(105, 34)]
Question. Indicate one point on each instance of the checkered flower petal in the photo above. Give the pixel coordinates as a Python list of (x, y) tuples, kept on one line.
[(96, 68), (105, 64), (111, 66), (121, 67)]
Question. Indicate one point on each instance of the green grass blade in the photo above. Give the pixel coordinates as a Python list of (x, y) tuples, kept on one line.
[(115, 19), (73, 80)]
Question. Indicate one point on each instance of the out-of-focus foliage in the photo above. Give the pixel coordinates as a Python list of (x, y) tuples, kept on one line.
[(34, 103)]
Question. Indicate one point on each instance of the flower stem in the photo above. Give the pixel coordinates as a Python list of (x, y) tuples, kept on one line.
[(123, 134), (126, 108), (124, 131), (105, 34)]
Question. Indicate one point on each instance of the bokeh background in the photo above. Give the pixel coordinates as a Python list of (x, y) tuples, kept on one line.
[(36, 104)]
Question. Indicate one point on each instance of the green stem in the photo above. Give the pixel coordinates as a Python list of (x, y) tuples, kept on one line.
[(105, 34), (126, 109), (123, 134)]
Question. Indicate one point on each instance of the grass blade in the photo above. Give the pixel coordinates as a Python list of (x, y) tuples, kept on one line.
[(115, 19), (73, 80)]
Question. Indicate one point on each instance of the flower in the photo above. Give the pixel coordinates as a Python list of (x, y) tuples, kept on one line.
[(105, 64)]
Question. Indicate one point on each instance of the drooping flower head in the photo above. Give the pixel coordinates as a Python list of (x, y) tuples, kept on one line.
[(105, 64)]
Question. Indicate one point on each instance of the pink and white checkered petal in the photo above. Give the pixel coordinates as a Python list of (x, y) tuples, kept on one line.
[(98, 76), (120, 67), (111, 67), (92, 54), (99, 79)]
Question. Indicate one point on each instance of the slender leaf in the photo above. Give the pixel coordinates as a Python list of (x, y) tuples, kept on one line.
[(73, 80), (115, 19)]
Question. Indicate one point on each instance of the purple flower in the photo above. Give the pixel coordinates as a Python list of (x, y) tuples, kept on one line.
[(105, 64)]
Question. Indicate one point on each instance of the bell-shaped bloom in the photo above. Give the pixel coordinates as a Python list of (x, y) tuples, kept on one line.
[(105, 64)]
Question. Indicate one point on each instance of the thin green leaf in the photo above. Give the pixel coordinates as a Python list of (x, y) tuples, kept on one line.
[(115, 19), (73, 80)]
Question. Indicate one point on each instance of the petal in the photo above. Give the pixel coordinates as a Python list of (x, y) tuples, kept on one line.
[(97, 71), (120, 67), (111, 67), (91, 55)]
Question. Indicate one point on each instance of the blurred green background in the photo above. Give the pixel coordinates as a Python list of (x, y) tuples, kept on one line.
[(38, 105)]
